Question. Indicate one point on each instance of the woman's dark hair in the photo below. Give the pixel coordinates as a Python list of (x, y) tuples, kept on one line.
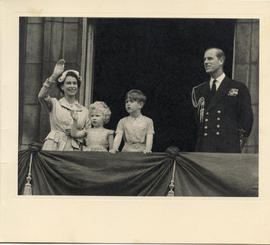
[(71, 74)]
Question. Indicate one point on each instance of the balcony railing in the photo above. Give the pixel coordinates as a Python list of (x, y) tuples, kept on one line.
[(171, 173)]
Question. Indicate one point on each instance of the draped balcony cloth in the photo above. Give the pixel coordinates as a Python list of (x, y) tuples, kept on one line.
[(136, 174)]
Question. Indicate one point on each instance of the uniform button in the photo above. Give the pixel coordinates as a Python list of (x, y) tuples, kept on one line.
[(205, 127), (218, 118), (218, 111), (205, 134), (218, 126), (206, 119), (217, 133), (207, 113)]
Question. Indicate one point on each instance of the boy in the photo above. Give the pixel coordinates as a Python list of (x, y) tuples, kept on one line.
[(137, 130)]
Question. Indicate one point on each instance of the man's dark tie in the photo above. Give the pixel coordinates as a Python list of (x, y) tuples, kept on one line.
[(213, 90)]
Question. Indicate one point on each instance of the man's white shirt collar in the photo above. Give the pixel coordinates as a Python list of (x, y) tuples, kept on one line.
[(218, 82)]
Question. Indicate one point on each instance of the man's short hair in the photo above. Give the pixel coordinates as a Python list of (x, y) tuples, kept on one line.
[(137, 95), (219, 52)]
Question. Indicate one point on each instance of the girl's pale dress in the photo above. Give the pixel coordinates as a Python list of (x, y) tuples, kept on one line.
[(97, 139)]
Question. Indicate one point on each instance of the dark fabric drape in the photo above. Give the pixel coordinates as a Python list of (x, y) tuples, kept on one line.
[(212, 174), (136, 174)]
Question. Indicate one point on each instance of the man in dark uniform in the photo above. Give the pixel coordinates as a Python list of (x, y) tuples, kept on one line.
[(223, 108)]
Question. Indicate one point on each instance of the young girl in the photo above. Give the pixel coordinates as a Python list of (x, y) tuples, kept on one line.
[(98, 138), (136, 129)]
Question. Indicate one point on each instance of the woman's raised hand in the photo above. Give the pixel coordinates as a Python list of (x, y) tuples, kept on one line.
[(88, 124), (58, 69)]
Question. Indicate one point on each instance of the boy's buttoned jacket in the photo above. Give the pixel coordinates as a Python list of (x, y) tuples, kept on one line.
[(224, 119)]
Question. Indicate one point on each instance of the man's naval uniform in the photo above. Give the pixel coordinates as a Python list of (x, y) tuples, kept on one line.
[(224, 119)]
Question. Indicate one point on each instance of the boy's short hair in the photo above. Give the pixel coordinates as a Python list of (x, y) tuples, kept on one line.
[(137, 95)]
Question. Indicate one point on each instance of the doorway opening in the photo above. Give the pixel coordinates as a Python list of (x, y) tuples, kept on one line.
[(164, 59)]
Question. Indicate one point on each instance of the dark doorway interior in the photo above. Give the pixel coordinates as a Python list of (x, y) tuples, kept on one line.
[(164, 59)]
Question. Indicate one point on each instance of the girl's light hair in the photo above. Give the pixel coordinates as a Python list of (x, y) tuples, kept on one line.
[(103, 108)]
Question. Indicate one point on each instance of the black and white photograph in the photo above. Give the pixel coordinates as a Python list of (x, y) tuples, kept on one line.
[(134, 122), (138, 106)]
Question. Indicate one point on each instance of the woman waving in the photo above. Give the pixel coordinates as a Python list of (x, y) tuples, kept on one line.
[(69, 81)]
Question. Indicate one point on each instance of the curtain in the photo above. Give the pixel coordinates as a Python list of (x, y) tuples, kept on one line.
[(136, 174)]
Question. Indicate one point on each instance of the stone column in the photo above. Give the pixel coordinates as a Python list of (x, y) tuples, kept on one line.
[(87, 62), (246, 69), (31, 51)]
